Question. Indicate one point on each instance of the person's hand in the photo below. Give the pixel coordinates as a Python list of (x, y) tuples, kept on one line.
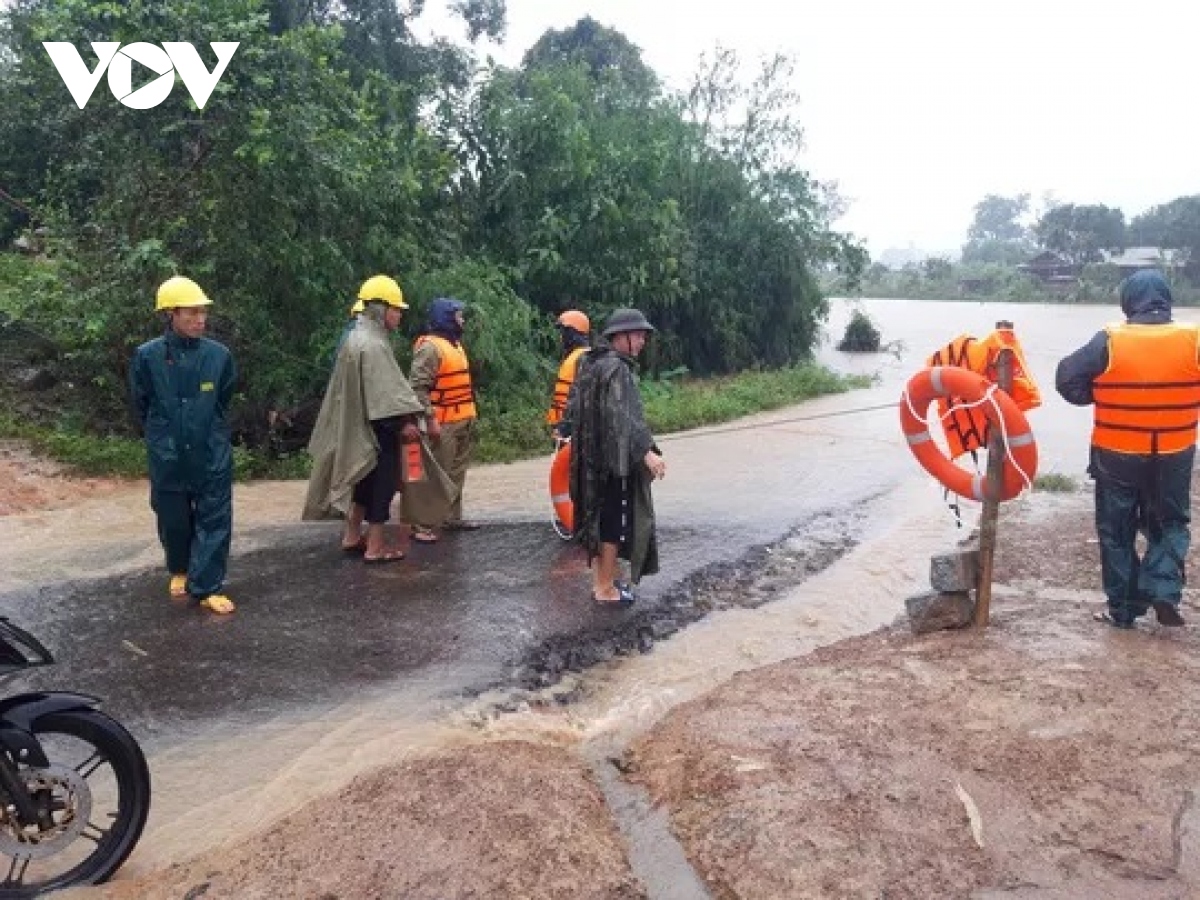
[(656, 465), (433, 430), (410, 433)]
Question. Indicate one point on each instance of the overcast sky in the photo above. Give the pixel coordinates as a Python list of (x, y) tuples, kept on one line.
[(917, 108)]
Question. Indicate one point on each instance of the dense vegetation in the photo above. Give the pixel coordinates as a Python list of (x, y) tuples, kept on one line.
[(337, 145)]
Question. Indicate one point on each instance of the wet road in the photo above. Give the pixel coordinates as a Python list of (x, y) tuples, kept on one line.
[(315, 626), (320, 624)]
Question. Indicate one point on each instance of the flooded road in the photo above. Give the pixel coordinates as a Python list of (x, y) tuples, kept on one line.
[(330, 667)]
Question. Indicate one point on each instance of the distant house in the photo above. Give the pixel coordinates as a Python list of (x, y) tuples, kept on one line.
[(1050, 268), (1134, 259)]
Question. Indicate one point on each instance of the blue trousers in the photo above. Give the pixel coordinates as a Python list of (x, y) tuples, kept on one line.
[(1150, 494), (195, 528)]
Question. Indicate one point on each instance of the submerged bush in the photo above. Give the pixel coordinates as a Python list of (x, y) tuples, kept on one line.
[(861, 334)]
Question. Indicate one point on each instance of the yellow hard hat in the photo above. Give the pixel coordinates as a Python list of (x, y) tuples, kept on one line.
[(384, 289), (179, 291), (358, 307)]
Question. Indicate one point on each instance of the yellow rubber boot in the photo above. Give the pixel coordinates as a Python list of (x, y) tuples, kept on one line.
[(218, 603), (179, 585)]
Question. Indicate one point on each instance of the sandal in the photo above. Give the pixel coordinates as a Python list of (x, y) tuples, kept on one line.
[(360, 547), (388, 556), (624, 596), (218, 603), (462, 525), (424, 536)]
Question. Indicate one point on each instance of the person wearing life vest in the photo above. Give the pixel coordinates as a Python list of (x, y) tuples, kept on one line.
[(441, 378), (182, 384), (1142, 376), (575, 329)]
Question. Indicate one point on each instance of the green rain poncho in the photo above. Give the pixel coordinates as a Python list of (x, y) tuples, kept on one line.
[(366, 385)]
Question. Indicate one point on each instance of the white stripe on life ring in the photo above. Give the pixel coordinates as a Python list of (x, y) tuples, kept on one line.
[(977, 486)]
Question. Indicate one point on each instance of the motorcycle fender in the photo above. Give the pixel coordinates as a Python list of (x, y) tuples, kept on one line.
[(17, 715)]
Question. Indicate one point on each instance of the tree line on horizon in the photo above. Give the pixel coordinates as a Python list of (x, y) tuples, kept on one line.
[(1082, 234), (1004, 236)]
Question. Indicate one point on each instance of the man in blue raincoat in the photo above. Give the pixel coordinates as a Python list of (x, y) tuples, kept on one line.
[(182, 384), (1142, 376)]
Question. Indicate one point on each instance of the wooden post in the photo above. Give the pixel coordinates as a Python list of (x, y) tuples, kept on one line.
[(992, 489)]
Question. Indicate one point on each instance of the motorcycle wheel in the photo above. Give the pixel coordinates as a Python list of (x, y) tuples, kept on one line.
[(94, 762)]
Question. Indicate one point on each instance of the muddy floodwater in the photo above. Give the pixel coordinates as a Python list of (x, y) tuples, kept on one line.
[(781, 533)]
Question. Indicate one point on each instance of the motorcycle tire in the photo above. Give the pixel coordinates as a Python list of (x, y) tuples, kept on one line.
[(115, 746)]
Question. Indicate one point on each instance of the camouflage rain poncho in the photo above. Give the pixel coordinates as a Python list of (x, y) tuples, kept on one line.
[(610, 440)]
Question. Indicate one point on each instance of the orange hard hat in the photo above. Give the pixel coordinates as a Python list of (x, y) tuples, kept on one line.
[(573, 318)]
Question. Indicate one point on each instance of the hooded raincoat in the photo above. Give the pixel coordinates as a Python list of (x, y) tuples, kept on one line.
[(181, 389), (610, 439)]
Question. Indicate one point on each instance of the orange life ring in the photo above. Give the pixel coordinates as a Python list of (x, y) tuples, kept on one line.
[(560, 491), (970, 387)]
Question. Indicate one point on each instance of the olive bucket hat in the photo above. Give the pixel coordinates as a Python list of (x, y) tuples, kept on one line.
[(623, 320)]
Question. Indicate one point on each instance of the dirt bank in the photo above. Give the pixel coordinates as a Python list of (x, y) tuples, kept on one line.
[(499, 820), (851, 773), (30, 483)]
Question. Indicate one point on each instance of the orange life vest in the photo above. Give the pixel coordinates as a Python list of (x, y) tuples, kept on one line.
[(451, 396), (562, 385), (1148, 400), (966, 428)]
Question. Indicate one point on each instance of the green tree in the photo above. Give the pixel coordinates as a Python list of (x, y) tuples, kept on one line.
[(1174, 225), (290, 185), (606, 54), (995, 252), (1081, 233), (999, 219), (937, 268)]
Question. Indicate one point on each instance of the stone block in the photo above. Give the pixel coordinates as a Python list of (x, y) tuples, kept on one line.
[(939, 610), (953, 572)]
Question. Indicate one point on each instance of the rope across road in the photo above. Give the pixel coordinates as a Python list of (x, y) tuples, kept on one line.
[(705, 432)]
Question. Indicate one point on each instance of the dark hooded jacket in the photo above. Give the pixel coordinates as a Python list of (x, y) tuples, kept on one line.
[(182, 388), (441, 319), (1145, 300)]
